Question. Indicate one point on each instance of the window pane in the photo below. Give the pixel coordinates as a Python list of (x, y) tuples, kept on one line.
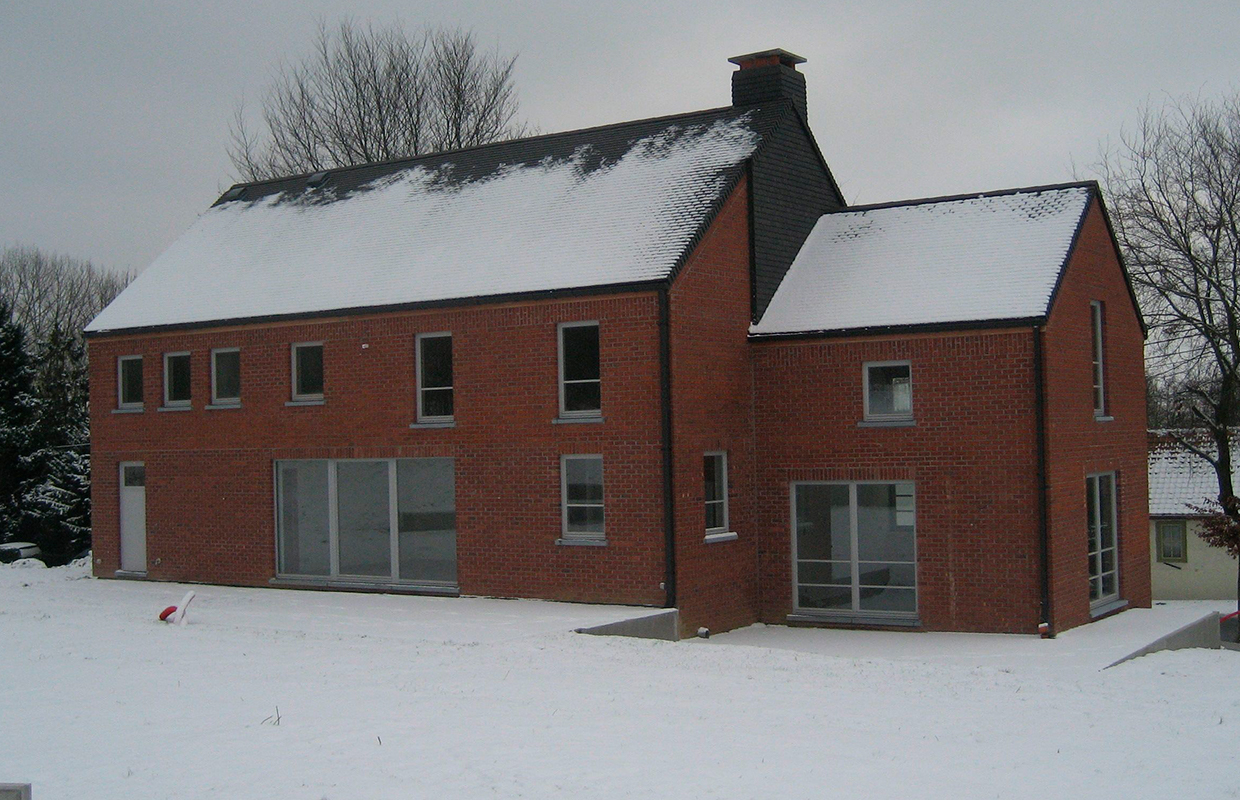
[(1091, 514), (304, 536), (310, 369), (1106, 522), (228, 375), (436, 362), (426, 515), (580, 352), (824, 597), (1171, 540), (584, 478), (880, 599), (364, 527), (714, 515), (822, 525), (437, 403), (872, 573), (583, 396), (712, 472), (835, 573), (178, 379), (585, 519), (131, 381), (890, 390), (880, 535), (135, 475), (1108, 584)]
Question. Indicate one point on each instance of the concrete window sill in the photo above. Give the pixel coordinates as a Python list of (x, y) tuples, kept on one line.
[(222, 406), (451, 423), (175, 408), (300, 403), (721, 536), (581, 542), (576, 420), (887, 423), (137, 410)]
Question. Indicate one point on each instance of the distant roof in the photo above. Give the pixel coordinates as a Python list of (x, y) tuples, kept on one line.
[(614, 205), (1179, 477), (975, 258)]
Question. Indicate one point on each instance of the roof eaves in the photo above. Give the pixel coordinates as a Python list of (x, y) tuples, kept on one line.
[(454, 302), (895, 330), (919, 201)]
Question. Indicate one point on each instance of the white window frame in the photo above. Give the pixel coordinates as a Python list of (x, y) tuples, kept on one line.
[(1095, 559), (559, 335), (580, 537), (133, 405), (1097, 321), (871, 416), (292, 351), (168, 401), (417, 356), (722, 455), (854, 613), (1181, 531), (216, 400)]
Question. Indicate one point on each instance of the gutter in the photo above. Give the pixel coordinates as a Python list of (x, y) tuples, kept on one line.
[(1044, 544), (669, 496)]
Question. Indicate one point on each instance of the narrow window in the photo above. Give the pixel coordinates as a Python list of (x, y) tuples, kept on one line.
[(176, 380), (1172, 541), (1095, 326), (582, 498), (434, 377), (888, 390), (715, 475), (129, 382), (1102, 539), (580, 386), (226, 376), (308, 371)]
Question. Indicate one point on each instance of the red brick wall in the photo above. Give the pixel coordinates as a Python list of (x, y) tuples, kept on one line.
[(1077, 444), (210, 498), (716, 582), (971, 454)]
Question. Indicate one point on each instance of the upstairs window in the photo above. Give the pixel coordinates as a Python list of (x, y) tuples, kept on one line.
[(129, 383), (1095, 327), (177, 376), (715, 476), (1172, 541), (582, 499), (226, 376), (307, 371), (888, 391), (434, 370), (580, 384)]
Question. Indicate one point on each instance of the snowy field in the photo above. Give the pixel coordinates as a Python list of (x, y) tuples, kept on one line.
[(409, 697)]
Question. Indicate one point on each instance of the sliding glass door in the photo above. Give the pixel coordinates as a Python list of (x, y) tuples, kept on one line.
[(378, 521), (854, 548)]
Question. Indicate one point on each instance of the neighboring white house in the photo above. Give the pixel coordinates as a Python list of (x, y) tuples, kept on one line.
[(1182, 566)]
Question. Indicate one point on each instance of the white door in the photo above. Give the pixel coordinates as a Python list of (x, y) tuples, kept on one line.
[(133, 517)]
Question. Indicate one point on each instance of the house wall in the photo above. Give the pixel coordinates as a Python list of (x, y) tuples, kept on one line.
[(1207, 573), (1078, 444), (971, 454), (210, 514), (712, 411)]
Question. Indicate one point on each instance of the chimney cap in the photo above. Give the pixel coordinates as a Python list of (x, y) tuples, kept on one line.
[(764, 58)]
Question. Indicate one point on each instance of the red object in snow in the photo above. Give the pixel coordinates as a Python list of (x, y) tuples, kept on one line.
[(167, 612), (1229, 616)]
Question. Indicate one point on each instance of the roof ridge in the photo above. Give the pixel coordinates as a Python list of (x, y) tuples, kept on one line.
[(473, 148), (953, 198)]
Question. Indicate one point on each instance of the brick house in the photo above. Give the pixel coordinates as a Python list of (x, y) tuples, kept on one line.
[(660, 363)]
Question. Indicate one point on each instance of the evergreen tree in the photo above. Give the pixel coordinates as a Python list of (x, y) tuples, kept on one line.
[(18, 415)]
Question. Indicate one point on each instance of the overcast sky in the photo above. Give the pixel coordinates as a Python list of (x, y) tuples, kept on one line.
[(114, 115)]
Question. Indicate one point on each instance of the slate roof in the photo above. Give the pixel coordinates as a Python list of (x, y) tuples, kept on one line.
[(969, 259), (616, 205), (1179, 477)]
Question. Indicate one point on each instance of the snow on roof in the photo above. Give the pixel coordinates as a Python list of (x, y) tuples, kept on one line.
[(968, 259), (1179, 478), (444, 228)]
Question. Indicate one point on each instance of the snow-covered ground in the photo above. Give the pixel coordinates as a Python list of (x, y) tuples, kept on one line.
[(386, 697)]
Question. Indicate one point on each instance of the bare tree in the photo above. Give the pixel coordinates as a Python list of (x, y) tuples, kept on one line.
[(1174, 189), (376, 94), (50, 293)]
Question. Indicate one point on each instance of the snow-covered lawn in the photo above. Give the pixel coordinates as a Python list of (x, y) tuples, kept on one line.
[(387, 697)]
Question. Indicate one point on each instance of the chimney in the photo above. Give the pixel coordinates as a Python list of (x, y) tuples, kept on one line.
[(768, 76)]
